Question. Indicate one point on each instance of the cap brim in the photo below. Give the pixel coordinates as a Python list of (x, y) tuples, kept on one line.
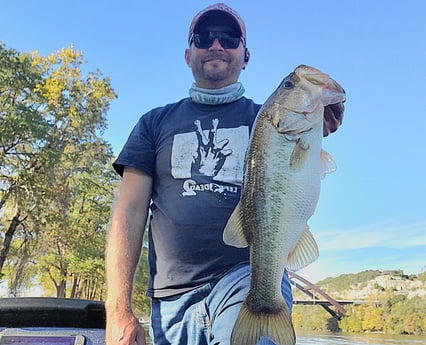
[(220, 19)]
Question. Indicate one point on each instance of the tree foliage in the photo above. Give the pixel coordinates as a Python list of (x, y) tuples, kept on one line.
[(399, 315), (56, 184), (346, 281), (313, 318)]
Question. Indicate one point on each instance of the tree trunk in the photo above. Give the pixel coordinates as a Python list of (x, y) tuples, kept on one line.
[(8, 236), (18, 276), (75, 285), (61, 289)]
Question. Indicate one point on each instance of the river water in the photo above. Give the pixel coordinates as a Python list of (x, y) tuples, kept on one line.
[(354, 339), (359, 339)]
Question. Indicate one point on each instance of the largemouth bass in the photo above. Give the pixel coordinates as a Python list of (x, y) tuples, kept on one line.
[(283, 170)]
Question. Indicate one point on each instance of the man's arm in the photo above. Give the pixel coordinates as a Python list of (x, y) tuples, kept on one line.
[(123, 249)]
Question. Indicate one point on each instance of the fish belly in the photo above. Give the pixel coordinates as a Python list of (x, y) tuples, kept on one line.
[(279, 208)]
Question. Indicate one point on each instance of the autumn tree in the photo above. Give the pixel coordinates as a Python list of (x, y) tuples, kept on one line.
[(398, 315), (22, 128), (56, 183), (373, 318)]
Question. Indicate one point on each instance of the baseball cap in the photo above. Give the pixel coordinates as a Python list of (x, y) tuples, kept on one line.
[(219, 13)]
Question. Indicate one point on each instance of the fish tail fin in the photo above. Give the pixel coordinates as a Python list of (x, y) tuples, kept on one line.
[(249, 327)]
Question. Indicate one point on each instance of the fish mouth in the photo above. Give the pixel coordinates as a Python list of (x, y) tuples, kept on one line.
[(330, 86), (294, 134)]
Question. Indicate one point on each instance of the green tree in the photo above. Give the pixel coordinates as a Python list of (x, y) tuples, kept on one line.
[(57, 184), (81, 183), (309, 318), (399, 315), (22, 129), (372, 320), (353, 321)]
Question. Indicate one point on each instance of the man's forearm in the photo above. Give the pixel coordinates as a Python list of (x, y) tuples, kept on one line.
[(122, 254)]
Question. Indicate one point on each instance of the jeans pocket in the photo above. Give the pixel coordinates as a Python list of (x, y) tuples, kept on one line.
[(203, 318)]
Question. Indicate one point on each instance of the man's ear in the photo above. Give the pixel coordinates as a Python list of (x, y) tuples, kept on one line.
[(246, 58), (246, 55), (188, 57)]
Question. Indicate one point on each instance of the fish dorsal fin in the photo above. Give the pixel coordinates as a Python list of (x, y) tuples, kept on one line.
[(233, 234), (306, 252), (327, 163)]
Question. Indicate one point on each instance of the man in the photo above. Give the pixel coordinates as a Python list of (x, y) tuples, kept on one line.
[(187, 159)]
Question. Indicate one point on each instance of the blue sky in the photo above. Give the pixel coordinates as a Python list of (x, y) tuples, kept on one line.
[(372, 210)]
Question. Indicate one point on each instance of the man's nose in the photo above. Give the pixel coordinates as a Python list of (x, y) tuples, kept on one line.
[(216, 45)]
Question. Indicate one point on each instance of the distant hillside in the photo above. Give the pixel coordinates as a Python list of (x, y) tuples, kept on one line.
[(395, 303), (374, 283)]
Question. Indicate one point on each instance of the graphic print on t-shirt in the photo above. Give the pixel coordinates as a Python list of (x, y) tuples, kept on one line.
[(216, 153)]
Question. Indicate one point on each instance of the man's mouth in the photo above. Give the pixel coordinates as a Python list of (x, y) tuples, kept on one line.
[(215, 57)]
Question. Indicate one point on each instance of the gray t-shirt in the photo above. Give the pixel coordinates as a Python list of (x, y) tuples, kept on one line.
[(195, 155)]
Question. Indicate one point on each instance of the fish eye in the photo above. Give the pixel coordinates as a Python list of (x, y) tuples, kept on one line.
[(288, 84)]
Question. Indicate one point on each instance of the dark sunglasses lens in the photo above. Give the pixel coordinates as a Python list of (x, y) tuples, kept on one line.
[(229, 42), (205, 40)]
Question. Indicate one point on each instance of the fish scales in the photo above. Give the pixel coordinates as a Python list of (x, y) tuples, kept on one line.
[(283, 169)]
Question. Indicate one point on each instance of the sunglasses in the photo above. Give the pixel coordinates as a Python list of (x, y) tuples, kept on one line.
[(204, 40)]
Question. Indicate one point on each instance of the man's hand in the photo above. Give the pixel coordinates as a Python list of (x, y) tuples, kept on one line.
[(124, 329), (333, 117)]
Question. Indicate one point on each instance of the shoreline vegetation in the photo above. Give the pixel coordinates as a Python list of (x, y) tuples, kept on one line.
[(394, 303)]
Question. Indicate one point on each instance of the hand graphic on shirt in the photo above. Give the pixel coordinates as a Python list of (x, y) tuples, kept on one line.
[(211, 154)]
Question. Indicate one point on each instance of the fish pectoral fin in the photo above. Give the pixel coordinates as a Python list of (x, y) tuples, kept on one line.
[(233, 234), (327, 163), (299, 155), (305, 253), (249, 327)]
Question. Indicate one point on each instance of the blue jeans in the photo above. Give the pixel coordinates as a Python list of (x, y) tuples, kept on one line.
[(206, 315)]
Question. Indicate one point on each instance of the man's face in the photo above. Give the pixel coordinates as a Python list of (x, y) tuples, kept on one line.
[(215, 67)]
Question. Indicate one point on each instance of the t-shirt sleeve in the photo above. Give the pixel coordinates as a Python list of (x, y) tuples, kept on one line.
[(139, 150)]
